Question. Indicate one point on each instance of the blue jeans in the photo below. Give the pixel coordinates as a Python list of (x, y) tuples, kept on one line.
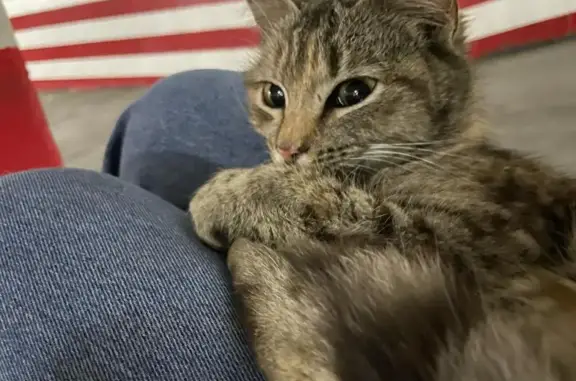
[(101, 275)]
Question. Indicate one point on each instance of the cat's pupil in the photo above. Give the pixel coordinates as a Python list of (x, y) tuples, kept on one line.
[(274, 96), (351, 92)]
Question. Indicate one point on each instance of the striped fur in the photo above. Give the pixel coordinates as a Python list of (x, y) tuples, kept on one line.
[(407, 247)]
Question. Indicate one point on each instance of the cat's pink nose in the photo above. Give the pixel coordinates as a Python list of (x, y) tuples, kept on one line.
[(288, 152)]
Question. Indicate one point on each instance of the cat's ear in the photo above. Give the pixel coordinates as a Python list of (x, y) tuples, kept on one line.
[(452, 12), (268, 12), (438, 18)]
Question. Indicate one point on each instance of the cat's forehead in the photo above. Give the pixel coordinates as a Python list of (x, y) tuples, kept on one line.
[(325, 40)]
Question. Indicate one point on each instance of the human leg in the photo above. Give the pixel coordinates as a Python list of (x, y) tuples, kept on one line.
[(177, 135), (101, 280)]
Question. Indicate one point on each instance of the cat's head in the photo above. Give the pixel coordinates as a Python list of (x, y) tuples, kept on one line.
[(337, 79)]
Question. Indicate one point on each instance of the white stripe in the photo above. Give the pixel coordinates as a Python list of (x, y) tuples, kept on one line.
[(163, 22), (24, 7), (6, 35), (136, 65), (488, 19), (498, 16)]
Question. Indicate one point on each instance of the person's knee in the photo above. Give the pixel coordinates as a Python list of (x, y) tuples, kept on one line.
[(199, 86), (73, 194), (198, 100), (194, 104), (61, 188), (187, 126), (50, 181)]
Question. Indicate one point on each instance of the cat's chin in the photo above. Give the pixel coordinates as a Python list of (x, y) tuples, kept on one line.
[(303, 160)]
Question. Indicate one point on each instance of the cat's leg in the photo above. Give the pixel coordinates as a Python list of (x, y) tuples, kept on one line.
[(285, 330), (273, 204), (327, 312)]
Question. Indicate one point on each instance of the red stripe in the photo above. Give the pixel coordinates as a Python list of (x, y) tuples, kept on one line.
[(469, 3), (220, 39), (107, 8), (94, 83), (547, 30), (101, 9), (573, 22), (25, 140), (248, 37), (543, 31)]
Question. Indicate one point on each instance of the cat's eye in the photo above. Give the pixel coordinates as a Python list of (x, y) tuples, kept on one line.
[(273, 96), (351, 92)]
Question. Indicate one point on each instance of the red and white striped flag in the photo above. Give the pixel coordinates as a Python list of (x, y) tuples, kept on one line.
[(71, 43)]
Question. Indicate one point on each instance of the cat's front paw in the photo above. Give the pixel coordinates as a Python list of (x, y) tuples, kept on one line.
[(205, 219), (209, 233), (212, 209)]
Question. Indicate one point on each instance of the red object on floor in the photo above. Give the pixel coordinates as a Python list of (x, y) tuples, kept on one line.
[(25, 139)]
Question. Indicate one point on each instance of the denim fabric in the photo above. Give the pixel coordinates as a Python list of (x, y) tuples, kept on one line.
[(176, 136), (101, 277)]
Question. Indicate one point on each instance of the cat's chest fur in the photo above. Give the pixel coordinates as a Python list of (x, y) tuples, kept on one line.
[(488, 207)]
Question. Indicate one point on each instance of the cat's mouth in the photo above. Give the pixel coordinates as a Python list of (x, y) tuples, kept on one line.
[(330, 157), (302, 159)]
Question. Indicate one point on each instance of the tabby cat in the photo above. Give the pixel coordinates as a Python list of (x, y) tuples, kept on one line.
[(388, 239)]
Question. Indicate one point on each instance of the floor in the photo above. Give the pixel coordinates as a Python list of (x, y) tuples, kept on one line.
[(529, 100), (81, 121)]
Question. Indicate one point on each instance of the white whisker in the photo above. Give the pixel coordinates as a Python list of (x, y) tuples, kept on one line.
[(431, 151), (393, 153), (409, 144), (359, 166), (375, 159), (374, 155)]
